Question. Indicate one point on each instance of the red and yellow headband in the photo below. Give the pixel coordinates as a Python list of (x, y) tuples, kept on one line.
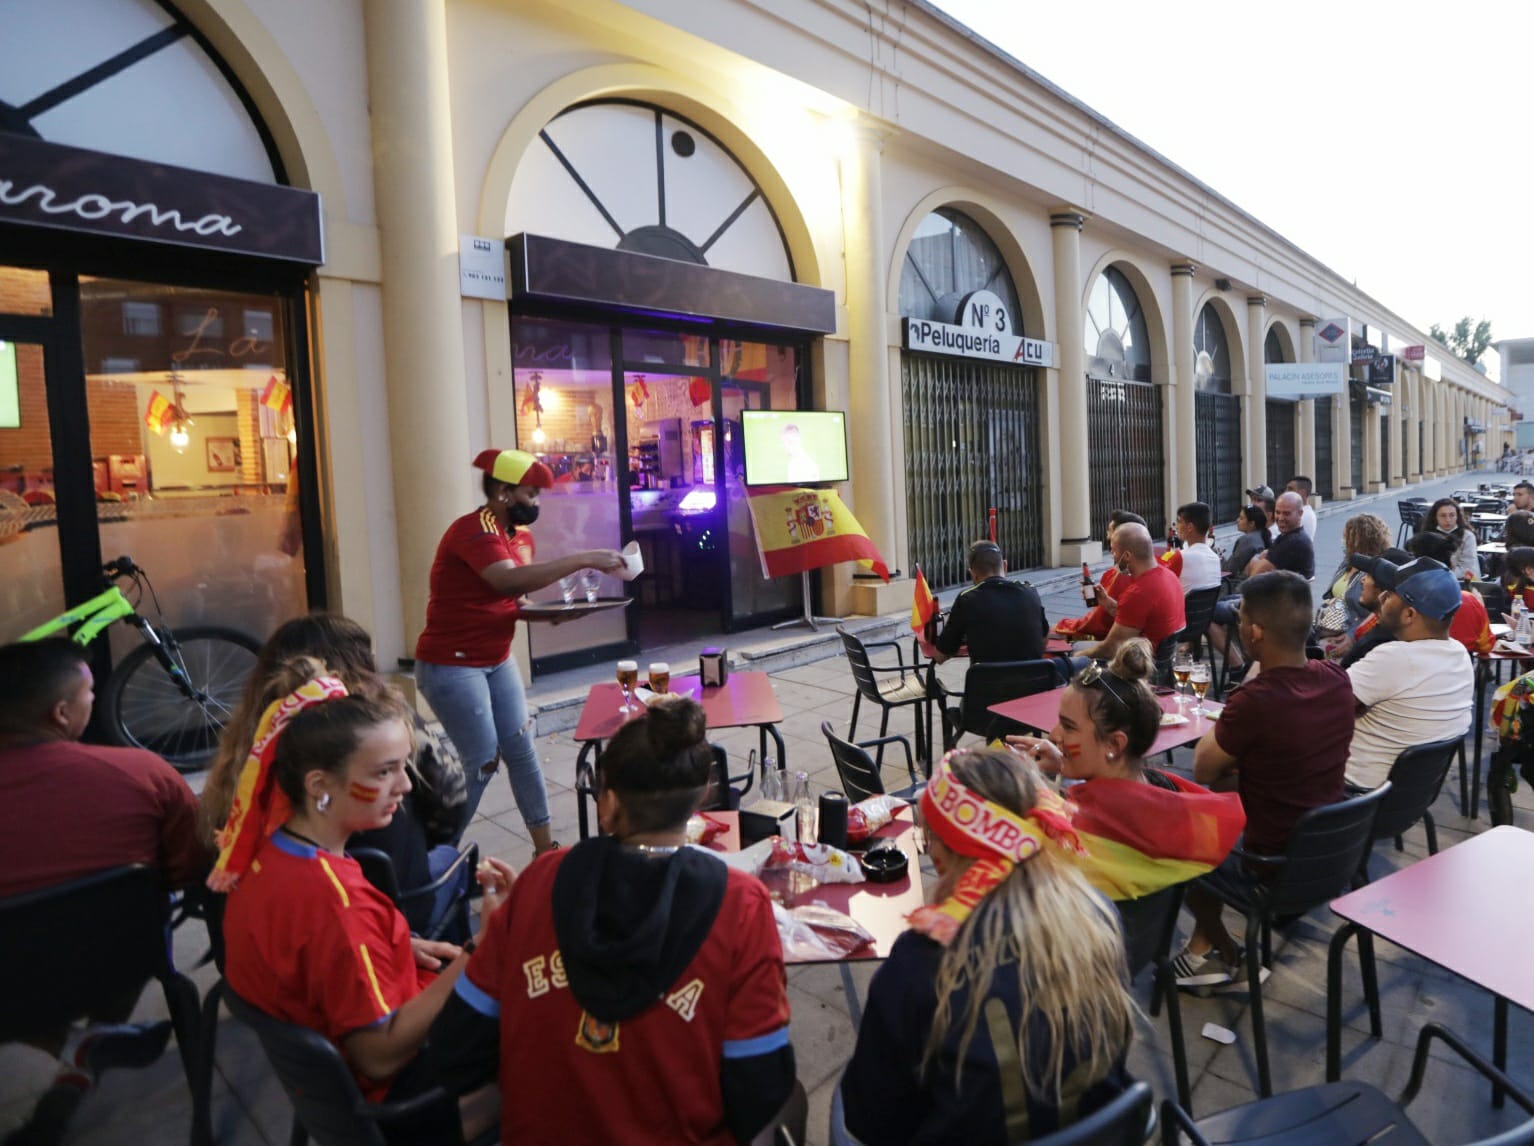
[(260, 807)]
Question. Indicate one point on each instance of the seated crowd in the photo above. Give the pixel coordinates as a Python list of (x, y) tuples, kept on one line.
[(641, 980)]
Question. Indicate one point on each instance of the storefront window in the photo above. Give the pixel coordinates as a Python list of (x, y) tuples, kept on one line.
[(31, 583), (24, 292)]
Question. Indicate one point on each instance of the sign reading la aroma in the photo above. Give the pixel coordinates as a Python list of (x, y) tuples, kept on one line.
[(985, 330)]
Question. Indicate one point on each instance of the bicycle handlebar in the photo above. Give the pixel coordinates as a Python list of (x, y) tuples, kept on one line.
[(120, 567)]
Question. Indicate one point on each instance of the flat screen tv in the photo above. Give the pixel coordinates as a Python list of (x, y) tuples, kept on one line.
[(10, 389), (794, 447)]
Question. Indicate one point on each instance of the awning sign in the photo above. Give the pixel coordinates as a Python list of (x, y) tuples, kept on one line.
[(1332, 340), (985, 330), (1292, 381), (1382, 370), (1414, 353)]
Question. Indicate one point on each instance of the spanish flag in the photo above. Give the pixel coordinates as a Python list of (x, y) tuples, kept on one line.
[(277, 396), (923, 607), (1140, 838), (159, 412), (802, 529), (1172, 559)]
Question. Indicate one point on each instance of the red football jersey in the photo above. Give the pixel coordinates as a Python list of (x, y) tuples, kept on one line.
[(650, 1079), (467, 621)]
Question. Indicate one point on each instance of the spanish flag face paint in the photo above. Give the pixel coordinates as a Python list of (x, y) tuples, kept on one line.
[(364, 792)]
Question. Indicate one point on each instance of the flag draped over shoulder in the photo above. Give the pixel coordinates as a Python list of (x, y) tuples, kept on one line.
[(1141, 838), (923, 605), (802, 529)]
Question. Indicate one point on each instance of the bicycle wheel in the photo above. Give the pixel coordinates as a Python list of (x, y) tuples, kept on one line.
[(145, 707)]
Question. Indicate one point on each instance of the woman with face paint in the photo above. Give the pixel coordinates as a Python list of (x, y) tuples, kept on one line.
[(463, 664)]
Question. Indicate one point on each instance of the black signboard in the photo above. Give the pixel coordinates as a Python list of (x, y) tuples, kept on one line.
[(1382, 371), (71, 189)]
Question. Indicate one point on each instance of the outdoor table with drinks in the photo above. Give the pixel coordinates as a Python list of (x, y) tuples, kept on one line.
[(1180, 724)]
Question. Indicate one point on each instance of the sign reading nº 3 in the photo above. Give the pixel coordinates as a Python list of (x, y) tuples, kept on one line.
[(986, 329)]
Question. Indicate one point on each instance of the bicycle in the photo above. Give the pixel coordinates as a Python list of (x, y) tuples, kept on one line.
[(173, 693)]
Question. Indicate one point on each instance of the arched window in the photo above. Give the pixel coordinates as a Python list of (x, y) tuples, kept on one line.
[(1273, 347), (1116, 338), (1211, 361), (950, 257)]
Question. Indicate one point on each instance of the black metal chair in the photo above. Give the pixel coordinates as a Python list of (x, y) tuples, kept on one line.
[(1150, 923), (1198, 612), (1326, 848), (83, 947), (1126, 1121), (416, 903), (725, 791), (1416, 778), (1412, 510), (327, 1106), (1165, 651), (860, 775), (992, 682), (909, 687), (1337, 1113)]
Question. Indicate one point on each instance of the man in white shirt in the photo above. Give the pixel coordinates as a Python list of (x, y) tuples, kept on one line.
[(1301, 485), (1200, 563), (1418, 688)]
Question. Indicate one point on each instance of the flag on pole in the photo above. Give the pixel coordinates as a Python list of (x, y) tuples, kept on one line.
[(277, 396), (802, 529), (159, 412), (923, 606)]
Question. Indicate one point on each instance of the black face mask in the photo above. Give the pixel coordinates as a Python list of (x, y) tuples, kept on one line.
[(519, 514)]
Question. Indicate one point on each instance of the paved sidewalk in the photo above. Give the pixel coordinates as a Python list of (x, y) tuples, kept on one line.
[(151, 1106)]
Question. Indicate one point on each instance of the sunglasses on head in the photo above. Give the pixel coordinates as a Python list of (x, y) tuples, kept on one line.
[(1096, 674)]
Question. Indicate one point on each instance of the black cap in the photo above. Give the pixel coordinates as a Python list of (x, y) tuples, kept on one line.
[(1391, 556)]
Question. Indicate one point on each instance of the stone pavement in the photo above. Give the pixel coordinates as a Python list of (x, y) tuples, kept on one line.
[(151, 1106)]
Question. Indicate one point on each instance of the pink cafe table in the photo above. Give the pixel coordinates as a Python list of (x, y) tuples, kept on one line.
[(1041, 710)]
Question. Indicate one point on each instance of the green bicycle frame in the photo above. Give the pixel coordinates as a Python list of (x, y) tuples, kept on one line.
[(93, 616)]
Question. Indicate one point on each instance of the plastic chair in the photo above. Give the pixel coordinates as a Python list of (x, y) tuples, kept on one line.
[(1150, 924), (1338, 1113), (1326, 849), (909, 687), (992, 682), (327, 1105), (1416, 778), (859, 774), (83, 946), (378, 868)]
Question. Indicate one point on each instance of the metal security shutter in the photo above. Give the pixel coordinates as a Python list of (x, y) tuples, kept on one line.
[(1281, 448), (1323, 475), (971, 442), (1217, 434), (1128, 465), (1358, 409)]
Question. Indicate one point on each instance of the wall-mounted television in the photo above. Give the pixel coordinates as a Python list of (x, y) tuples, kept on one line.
[(794, 447)]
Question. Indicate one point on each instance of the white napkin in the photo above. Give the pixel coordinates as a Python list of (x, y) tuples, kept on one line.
[(633, 563)]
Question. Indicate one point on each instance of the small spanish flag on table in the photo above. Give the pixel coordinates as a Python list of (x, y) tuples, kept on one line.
[(802, 529), (923, 607)]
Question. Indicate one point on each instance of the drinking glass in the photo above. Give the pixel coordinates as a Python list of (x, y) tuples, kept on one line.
[(628, 677), (568, 586), (1198, 677), (591, 581), (1182, 667), (660, 677)]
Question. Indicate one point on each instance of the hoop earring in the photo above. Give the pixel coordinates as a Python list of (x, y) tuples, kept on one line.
[(322, 805)]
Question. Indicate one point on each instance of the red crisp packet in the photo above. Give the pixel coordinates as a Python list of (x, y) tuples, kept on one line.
[(821, 861), (704, 829), (867, 816)]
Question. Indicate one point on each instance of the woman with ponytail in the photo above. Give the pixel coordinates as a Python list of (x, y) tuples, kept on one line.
[(308, 940), (1003, 1014)]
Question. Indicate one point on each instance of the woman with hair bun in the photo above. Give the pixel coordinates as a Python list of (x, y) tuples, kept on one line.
[(1003, 1014), (634, 979), (1141, 829)]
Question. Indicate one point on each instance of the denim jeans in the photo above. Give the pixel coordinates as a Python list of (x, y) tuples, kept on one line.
[(482, 710)]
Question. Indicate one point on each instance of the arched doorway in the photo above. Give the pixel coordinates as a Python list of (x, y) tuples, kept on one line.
[(1124, 415), (1280, 420), (1218, 413), (971, 423)]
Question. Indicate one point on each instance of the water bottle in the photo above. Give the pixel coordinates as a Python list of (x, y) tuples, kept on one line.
[(804, 808), (772, 780)]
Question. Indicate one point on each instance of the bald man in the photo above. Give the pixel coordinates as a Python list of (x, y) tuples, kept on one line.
[(1292, 549), (1149, 595)]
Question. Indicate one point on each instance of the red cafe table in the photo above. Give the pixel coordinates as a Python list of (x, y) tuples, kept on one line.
[(1042, 709), (745, 699)]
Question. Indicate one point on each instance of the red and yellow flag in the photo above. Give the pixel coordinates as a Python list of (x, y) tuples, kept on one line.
[(923, 606), (1141, 838), (277, 395), (802, 529), (159, 412), (1172, 559)]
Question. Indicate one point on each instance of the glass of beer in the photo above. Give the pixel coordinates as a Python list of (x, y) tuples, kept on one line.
[(1198, 677), (660, 677), (628, 677), (1182, 667)]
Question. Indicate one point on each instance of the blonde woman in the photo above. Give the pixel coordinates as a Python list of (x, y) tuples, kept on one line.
[(1003, 1014)]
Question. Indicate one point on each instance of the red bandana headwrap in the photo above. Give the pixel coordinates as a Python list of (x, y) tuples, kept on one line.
[(995, 838), (259, 807)]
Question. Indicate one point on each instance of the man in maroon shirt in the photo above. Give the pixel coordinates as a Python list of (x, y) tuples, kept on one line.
[(1282, 742), (66, 810)]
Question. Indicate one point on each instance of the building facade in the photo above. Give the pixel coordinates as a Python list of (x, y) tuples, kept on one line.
[(704, 211)]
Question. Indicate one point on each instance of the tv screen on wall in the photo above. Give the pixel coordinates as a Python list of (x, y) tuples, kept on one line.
[(794, 447), (10, 388)]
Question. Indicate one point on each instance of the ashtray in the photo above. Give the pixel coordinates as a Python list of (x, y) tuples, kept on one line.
[(884, 864)]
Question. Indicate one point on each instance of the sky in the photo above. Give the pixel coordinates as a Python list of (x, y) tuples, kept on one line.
[(1390, 141)]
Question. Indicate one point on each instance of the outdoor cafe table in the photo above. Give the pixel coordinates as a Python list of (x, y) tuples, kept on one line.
[(1458, 909), (1041, 710), (745, 699)]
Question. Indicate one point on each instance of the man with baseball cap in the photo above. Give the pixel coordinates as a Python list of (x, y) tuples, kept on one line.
[(1370, 633), (1262, 495), (1418, 687)]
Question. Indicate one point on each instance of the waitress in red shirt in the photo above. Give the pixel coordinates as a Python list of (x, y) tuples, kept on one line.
[(463, 663)]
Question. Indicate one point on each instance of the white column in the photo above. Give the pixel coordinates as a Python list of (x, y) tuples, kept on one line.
[(1411, 386), (412, 135), (1342, 440), (1372, 479), (1256, 405), (1076, 541), (1184, 445), (1305, 429), (1394, 479)]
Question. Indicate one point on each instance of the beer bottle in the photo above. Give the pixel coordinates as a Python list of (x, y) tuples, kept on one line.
[(1089, 590)]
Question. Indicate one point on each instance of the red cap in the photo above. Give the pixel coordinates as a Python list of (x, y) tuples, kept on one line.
[(515, 467)]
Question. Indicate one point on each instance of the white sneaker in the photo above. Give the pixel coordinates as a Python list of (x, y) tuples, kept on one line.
[(1206, 970)]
